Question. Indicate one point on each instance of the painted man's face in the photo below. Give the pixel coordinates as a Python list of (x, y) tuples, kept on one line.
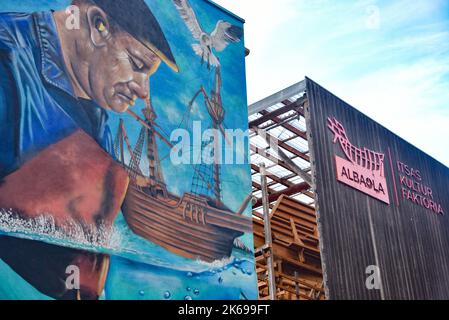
[(119, 72)]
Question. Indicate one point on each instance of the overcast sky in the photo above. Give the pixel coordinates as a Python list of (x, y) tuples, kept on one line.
[(389, 59)]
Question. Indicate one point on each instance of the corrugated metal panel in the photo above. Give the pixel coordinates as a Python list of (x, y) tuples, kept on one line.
[(409, 243)]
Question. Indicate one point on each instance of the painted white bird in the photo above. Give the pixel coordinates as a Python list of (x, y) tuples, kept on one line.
[(219, 39)]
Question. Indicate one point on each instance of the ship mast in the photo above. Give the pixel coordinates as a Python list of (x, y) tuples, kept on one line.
[(217, 187), (155, 172), (148, 133), (215, 109)]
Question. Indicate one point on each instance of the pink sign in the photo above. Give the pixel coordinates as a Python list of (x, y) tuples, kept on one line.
[(413, 189), (364, 169), (362, 179)]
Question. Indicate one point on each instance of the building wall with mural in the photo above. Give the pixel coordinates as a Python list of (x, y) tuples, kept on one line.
[(382, 207), (121, 174)]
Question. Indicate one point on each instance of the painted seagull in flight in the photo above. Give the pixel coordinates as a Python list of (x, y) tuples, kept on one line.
[(219, 39)]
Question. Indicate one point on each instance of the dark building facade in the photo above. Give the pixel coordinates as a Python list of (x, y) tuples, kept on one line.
[(382, 206)]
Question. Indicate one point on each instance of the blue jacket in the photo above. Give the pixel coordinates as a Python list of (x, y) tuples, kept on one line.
[(37, 102)]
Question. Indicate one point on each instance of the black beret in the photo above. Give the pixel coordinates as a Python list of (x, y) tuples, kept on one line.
[(134, 17)]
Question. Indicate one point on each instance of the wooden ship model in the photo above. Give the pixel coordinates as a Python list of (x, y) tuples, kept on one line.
[(195, 225)]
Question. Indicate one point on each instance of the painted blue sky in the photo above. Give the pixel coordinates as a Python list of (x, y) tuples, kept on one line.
[(388, 58)]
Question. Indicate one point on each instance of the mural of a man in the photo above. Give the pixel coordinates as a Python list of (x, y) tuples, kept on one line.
[(57, 80)]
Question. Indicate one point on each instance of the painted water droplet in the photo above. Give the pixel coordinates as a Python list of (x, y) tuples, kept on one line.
[(247, 267), (188, 298), (188, 289), (167, 295), (196, 292), (189, 274), (142, 293)]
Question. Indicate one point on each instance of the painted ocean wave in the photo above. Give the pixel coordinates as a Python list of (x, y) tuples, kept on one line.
[(117, 240), (70, 234)]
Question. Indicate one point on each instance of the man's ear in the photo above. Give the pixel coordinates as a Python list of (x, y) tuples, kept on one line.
[(99, 26)]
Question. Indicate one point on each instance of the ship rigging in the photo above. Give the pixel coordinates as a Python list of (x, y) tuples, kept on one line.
[(196, 225)]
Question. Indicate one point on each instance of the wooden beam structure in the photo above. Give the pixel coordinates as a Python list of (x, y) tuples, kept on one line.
[(294, 249), (279, 140), (283, 145), (295, 189)]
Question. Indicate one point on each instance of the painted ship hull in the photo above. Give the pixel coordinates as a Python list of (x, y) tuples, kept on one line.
[(188, 226)]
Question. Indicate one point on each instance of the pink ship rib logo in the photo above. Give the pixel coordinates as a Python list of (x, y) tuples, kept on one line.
[(363, 169)]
